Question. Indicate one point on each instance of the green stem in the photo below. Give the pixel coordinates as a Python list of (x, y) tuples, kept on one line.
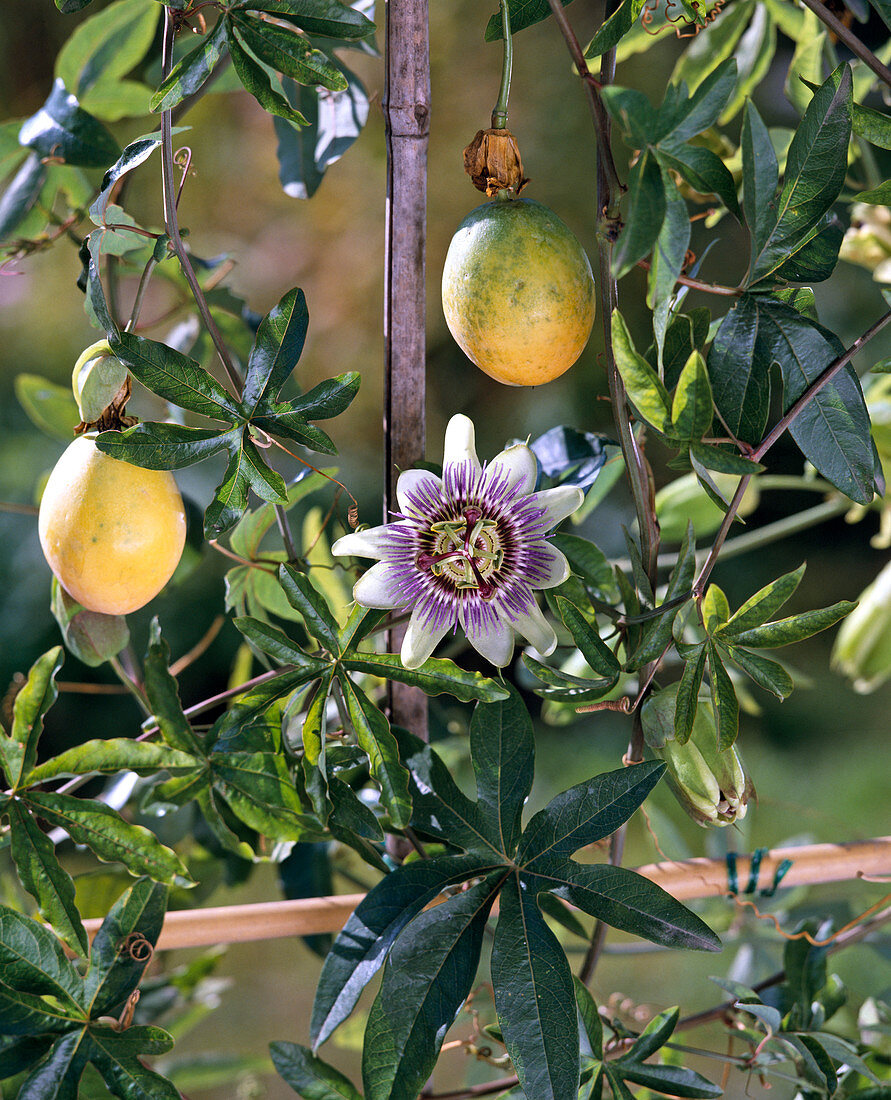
[(499, 115)]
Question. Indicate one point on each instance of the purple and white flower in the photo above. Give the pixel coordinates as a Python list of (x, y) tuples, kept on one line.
[(467, 549)]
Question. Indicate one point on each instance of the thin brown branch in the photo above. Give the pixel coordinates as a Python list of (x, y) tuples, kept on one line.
[(695, 284), (846, 35), (199, 648)]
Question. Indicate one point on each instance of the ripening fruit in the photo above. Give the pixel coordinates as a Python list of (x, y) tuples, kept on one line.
[(112, 533), (517, 292)]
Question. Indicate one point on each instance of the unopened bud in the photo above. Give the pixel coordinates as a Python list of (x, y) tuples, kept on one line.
[(492, 160), (710, 784), (862, 649), (98, 381)]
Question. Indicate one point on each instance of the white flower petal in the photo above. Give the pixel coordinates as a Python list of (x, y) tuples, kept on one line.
[(421, 638), (371, 543), (557, 503), (460, 442), (519, 463), (536, 629), (494, 640), (379, 587), (416, 484), (554, 563)]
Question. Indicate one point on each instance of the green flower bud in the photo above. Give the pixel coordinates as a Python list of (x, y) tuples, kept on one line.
[(684, 499), (711, 785), (862, 649), (96, 380)]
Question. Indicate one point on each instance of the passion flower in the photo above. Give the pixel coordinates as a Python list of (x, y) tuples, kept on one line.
[(467, 549)]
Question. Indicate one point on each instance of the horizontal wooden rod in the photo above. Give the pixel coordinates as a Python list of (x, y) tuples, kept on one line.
[(687, 879)]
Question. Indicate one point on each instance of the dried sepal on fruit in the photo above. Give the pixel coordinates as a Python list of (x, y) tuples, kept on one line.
[(493, 162)]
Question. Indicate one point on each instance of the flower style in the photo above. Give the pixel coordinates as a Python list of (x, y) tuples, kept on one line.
[(467, 549)]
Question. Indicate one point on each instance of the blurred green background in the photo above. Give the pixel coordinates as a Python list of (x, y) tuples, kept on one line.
[(820, 761)]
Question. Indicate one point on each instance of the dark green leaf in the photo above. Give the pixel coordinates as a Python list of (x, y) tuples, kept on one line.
[(703, 170), (623, 899), (117, 1056), (815, 172), (428, 976), (816, 256), (158, 446), (587, 1007), (108, 835), (91, 282), (311, 604), (805, 975), (700, 110), (815, 1063), (740, 384), (174, 376), (230, 497), (721, 461), (189, 74), (503, 753), (564, 686), (63, 130), (329, 398), (56, 1075), (259, 789), (724, 698), (615, 28), (267, 483), (21, 195), (874, 126), (653, 1037), (163, 696), (42, 875), (671, 1080), (328, 18), (656, 634), (272, 640), (644, 216), (34, 962), (309, 1076), (669, 257), (596, 652), (276, 350), (288, 52), (523, 13), (376, 738), (534, 996), (687, 698), (760, 178), (589, 562), (362, 947), (436, 676), (258, 82), (114, 974), (116, 754), (586, 813)]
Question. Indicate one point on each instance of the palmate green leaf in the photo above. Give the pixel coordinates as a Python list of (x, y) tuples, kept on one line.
[(108, 835), (114, 974), (311, 604), (817, 255), (277, 348), (815, 170), (645, 213), (360, 950), (596, 652), (615, 28), (63, 130), (523, 13), (703, 170), (436, 676), (21, 195), (698, 111), (309, 1076), (740, 384), (760, 178), (174, 376), (33, 961), (589, 1015), (328, 18), (41, 874), (426, 980), (643, 385), (766, 602), (767, 674), (795, 628), (534, 996), (502, 749), (723, 697), (287, 52), (18, 751), (376, 739), (260, 791), (623, 899), (670, 1080), (256, 80), (117, 754), (329, 398), (565, 687), (188, 75), (586, 813), (687, 698), (108, 45), (653, 1037), (57, 1074), (117, 1055), (163, 697), (246, 537), (231, 495)]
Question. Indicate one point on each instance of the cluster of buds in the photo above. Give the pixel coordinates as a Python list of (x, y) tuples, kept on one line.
[(868, 241), (709, 783)]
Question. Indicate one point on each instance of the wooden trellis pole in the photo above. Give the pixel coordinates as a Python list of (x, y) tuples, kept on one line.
[(692, 878), (406, 106)]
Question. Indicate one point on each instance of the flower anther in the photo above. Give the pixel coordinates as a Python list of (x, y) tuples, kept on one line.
[(467, 549)]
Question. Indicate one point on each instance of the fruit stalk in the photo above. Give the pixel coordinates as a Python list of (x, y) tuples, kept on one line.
[(499, 114)]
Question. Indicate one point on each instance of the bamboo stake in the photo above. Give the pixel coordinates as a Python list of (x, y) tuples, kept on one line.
[(694, 878), (406, 106)]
